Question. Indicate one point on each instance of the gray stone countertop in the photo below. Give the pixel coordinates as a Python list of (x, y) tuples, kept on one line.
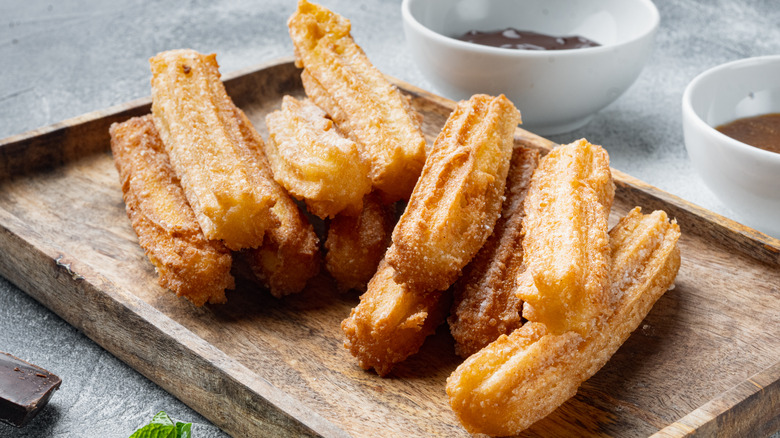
[(61, 59)]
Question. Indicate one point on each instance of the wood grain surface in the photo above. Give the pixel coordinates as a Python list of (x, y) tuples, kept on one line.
[(706, 360)]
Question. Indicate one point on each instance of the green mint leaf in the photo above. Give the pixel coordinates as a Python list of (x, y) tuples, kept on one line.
[(183, 430), (155, 431), (162, 418), (162, 426)]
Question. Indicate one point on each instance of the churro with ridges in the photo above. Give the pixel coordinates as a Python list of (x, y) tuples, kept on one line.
[(290, 253), (359, 99), (566, 244), (521, 378), (196, 122), (186, 262), (485, 305), (314, 161), (391, 322), (356, 244), (458, 197)]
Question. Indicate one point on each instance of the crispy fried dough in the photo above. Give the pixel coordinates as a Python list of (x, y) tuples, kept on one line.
[(485, 305), (356, 244), (196, 120), (458, 197), (392, 321), (186, 262), (314, 161), (452, 211), (566, 244), (290, 253), (521, 378), (340, 79)]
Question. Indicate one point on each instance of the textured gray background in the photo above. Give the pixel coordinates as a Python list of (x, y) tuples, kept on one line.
[(60, 59)]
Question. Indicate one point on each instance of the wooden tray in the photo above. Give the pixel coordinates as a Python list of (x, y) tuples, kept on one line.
[(706, 359)]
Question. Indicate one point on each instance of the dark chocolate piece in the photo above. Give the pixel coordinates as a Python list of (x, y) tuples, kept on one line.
[(24, 389)]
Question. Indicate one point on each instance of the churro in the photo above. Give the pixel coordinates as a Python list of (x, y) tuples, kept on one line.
[(451, 213), (314, 161), (196, 121), (340, 79), (392, 321), (186, 262), (485, 305), (356, 244), (566, 243), (458, 197), (520, 378)]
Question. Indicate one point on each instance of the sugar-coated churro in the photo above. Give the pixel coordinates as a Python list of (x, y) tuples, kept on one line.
[(485, 305), (520, 378), (451, 212), (340, 79), (186, 262), (566, 244), (196, 121), (356, 244), (314, 161), (392, 321), (458, 197)]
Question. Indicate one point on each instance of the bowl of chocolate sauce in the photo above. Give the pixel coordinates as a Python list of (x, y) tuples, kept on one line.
[(559, 61), (731, 126)]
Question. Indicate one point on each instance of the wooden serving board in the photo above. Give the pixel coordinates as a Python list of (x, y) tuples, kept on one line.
[(706, 360)]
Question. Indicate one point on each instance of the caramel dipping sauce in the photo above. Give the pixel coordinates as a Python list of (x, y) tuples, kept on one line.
[(511, 38), (761, 131)]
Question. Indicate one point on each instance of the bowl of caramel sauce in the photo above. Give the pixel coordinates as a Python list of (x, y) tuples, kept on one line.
[(559, 61), (731, 126)]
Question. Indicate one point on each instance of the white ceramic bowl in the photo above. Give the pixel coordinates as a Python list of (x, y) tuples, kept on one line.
[(556, 90), (745, 178)]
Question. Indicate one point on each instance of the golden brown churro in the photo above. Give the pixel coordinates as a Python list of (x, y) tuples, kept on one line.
[(186, 262), (340, 79), (458, 197), (356, 244), (314, 161), (519, 379), (485, 305), (392, 321), (566, 244), (454, 207), (196, 121)]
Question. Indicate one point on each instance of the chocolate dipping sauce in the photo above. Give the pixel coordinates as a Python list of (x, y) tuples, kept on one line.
[(511, 38), (761, 131)]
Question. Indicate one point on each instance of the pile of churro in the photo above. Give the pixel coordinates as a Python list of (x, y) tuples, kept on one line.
[(199, 190), (552, 298), (512, 249)]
